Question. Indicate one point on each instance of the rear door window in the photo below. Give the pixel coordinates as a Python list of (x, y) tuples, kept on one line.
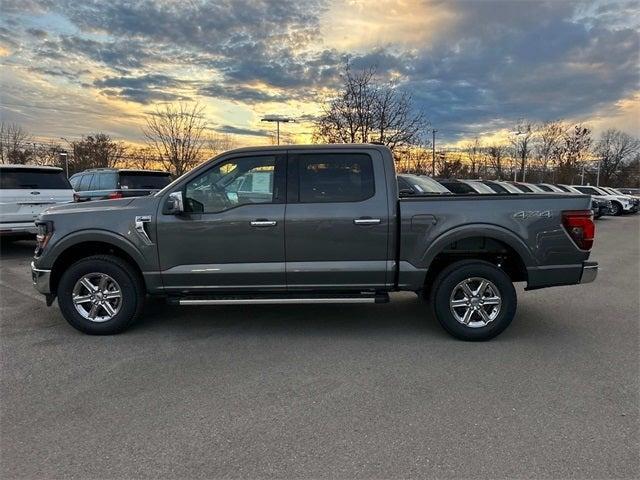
[(326, 178), (108, 181), (83, 186), (144, 180), (39, 179)]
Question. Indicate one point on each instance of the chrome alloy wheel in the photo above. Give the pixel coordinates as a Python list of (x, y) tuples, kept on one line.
[(475, 302), (97, 297)]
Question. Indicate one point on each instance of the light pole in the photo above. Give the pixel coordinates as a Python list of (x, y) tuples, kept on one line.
[(64, 157), (598, 175), (433, 153), (278, 121)]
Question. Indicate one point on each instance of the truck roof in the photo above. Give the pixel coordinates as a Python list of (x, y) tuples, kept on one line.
[(317, 146)]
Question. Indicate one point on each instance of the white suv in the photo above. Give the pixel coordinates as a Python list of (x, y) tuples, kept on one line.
[(26, 191)]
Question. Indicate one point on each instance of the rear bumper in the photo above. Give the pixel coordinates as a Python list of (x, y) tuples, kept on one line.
[(589, 272), (18, 228), (557, 275), (40, 279)]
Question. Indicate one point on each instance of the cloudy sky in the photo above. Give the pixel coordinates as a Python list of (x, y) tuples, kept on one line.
[(72, 67)]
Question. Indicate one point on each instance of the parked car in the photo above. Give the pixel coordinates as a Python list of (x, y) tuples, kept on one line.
[(25, 191), (613, 191), (419, 185), (630, 191), (498, 187), (349, 239), (526, 187), (110, 183), (547, 187), (619, 203), (464, 186), (599, 206)]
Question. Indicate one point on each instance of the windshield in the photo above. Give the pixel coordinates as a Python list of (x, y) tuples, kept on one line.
[(588, 190), (144, 180), (26, 178), (479, 187), (425, 184)]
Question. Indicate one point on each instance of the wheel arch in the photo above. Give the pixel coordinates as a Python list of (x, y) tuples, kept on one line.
[(482, 242), (84, 244)]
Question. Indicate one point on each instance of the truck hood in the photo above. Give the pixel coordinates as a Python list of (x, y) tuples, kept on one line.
[(98, 208), (88, 207)]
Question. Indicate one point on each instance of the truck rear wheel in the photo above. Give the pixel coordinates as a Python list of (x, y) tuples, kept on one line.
[(100, 295), (474, 300)]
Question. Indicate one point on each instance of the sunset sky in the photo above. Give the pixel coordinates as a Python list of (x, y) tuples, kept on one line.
[(474, 67)]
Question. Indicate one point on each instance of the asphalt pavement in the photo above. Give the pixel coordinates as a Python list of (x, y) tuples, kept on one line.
[(330, 391)]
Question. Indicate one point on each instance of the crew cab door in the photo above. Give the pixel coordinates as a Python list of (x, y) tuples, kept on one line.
[(231, 235), (337, 220)]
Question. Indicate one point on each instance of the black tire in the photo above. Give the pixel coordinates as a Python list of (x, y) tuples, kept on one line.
[(131, 287), (457, 272), (616, 209)]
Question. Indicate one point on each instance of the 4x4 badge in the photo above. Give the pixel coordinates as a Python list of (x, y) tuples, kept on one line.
[(532, 213)]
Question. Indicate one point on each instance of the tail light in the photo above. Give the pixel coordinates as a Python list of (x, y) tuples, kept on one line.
[(113, 195), (580, 227)]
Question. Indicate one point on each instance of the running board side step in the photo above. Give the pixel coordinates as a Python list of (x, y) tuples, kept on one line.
[(278, 300)]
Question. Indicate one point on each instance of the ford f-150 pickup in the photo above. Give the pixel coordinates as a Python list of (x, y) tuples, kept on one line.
[(309, 224)]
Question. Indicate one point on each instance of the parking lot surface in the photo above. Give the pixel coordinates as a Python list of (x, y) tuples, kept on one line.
[(331, 391)]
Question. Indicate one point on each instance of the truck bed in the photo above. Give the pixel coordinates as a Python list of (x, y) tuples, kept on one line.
[(526, 225)]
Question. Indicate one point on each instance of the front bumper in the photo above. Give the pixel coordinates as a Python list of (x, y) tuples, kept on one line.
[(18, 228), (589, 272), (40, 279)]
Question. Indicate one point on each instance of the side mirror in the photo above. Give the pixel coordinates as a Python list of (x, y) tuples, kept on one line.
[(175, 204), (405, 192)]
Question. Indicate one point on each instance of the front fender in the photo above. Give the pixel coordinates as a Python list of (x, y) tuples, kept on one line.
[(94, 235)]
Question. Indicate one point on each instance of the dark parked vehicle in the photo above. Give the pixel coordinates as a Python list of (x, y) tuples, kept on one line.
[(419, 185), (314, 224), (111, 183), (498, 187), (465, 187), (599, 206)]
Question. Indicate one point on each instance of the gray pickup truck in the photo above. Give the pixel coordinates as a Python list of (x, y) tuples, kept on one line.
[(309, 224)]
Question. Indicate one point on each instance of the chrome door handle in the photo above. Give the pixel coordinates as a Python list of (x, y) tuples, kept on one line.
[(367, 221), (264, 223)]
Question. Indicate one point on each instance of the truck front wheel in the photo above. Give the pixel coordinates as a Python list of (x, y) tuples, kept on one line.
[(100, 295), (474, 300)]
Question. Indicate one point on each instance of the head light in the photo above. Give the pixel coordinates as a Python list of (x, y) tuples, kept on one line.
[(43, 234)]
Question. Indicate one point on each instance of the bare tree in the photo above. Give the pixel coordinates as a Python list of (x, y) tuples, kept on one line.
[(220, 142), (614, 150), (144, 158), (367, 110), (15, 144), (496, 156), (450, 167), (473, 150), (413, 159), (48, 154), (521, 143), (572, 152), (176, 133), (550, 136), (98, 150)]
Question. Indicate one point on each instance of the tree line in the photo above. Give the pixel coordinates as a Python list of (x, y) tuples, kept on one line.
[(178, 138), (364, 109)]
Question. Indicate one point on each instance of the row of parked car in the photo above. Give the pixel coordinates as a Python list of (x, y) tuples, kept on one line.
[(26, 190), (604, 200)]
